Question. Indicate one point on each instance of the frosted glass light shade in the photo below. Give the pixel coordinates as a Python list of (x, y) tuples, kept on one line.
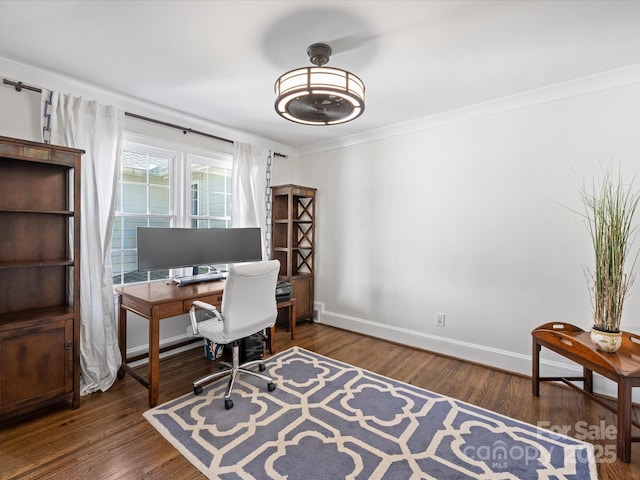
[(319, 96)]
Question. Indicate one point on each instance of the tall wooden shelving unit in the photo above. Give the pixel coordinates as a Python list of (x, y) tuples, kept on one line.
[(39, 277), (293, 241)]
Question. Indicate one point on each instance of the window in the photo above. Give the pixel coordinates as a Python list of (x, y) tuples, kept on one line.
[(161, 187), (210, 194)]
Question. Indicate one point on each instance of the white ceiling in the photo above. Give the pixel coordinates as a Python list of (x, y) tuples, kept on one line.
[(218, 60)]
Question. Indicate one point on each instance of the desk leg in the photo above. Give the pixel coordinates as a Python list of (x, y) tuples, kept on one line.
[(271, 337), (292, 319), (535, 368), (122, 337), (624, 420), (154, 358)]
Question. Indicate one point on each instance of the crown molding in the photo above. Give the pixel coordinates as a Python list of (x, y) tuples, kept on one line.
[(582, 86)]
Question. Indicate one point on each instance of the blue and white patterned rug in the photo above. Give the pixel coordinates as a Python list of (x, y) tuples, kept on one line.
[(329, 420)]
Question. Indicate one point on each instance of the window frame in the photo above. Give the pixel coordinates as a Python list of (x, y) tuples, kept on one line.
[(181, 157), (225, 164)]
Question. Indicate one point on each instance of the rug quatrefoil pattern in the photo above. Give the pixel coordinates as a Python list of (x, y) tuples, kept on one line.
[(329, 420)]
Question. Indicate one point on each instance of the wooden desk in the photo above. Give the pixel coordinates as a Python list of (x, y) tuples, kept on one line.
[(623, 367), (156, 301)]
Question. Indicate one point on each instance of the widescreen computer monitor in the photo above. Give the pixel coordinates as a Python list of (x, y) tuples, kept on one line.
[(164, 248)]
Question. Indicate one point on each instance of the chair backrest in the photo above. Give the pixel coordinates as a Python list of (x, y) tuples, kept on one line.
[(249, 299)]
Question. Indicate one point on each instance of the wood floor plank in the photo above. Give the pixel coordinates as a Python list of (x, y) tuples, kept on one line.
[(107, 437)]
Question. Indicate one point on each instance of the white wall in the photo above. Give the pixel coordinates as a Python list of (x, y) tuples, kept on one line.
[(471, 219), (20, 114)]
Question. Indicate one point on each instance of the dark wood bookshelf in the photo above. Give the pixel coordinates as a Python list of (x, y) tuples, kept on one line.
[(293, 241), (39, 277)]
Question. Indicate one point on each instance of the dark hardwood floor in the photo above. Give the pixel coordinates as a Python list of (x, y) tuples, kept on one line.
[(107, 437)]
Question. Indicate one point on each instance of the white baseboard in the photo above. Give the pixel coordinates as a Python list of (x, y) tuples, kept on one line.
[(482, 354)]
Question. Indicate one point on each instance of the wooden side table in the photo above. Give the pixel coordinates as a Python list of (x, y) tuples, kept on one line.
[(623, 367)]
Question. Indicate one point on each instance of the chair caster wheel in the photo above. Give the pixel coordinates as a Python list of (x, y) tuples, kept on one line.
[(228, 404), (271, 386), (197, 390), (262, 367)]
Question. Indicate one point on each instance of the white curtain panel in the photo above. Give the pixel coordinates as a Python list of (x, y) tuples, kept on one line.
[(249, 188), (97, 129)]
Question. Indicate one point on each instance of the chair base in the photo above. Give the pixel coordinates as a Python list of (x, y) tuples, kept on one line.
[(233, 370)]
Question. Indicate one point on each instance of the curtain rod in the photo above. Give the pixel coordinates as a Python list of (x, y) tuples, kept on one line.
[(19, 86)]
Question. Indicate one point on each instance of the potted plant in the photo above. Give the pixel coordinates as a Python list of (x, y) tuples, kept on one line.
[(609, 213)]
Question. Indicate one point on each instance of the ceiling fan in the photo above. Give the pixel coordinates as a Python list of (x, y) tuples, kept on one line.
[(319, 95)]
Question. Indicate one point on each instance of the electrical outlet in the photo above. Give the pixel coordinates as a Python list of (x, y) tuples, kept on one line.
[(439, 319)]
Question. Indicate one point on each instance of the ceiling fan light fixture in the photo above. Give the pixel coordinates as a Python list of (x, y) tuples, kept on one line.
[(319, 95)]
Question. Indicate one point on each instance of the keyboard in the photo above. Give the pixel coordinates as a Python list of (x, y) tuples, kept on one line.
[(201, 277)]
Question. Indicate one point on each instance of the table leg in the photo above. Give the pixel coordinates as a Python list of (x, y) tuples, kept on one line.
[(588, 380), (535, 366), (154, 358), (122, 336), (623, 446)]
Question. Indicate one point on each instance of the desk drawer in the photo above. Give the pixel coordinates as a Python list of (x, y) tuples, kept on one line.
[(169, 310), (215, 300)]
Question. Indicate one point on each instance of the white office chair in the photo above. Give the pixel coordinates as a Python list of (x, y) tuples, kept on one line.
[(248, 307)]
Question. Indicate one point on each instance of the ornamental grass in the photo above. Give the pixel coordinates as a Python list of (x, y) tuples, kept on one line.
[(610, 208)]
